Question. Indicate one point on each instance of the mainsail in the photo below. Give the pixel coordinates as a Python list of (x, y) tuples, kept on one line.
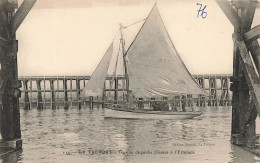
[(154, 65), (95, 86)]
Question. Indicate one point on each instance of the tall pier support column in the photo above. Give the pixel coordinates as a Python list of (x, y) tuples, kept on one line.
[(9, 83), (246, 82)]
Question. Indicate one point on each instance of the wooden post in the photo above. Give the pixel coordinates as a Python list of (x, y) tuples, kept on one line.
[(26, 96), (71, 98), (44, 93), (216, 91), (53, 106), (203, 86), (9, 84), (228, 88), (200, 82), (222, 97), (183, 103), (97, 103), (91, 102), (116, 90), (84, 81), (235, 95), (84, 84), (210, 93), (31, 95), (39, 95), (58, 92), (104, 96), (109, 93), (78, 92), (65, 93)]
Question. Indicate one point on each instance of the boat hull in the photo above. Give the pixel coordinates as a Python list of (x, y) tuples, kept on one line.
[(133, 114)]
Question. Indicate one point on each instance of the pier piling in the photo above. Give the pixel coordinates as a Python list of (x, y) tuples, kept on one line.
[(44, 93), (26, 95), (10, 20), (71, 99), (58, 94), (31, 95), (91, 102), (39, 95), (78, 93), (53, 104), (65, 94), (245, 81)]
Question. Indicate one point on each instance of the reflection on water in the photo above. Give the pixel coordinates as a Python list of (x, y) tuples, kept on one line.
[(85, 136)]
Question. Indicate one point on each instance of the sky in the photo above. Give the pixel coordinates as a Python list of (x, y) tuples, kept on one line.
[(69, 37)]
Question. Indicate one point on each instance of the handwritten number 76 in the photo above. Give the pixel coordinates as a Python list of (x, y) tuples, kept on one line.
[(201, 11)]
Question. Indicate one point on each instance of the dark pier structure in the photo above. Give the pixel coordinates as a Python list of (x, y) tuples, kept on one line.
[(10, 20), (246, 68), (56, 91)]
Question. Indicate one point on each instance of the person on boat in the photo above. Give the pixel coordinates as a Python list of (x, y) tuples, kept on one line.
[(170, 106), (174, 108), (140, 103), (130, 100), (194, 106), (156, 105), (152, 104), (164, 106), (183, 104)]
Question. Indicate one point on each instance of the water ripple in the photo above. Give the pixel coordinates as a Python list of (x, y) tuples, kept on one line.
[(69, 136)]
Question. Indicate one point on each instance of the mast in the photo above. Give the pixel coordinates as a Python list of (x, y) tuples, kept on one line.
[(122, 41)]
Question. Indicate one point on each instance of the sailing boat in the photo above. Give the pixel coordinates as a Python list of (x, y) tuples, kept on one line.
[(152, 69)]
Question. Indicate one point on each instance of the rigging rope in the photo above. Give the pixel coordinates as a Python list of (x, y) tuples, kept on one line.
[(134, 23)]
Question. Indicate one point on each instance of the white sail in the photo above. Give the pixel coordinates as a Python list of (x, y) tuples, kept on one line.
[(154, 65), (95, 86)]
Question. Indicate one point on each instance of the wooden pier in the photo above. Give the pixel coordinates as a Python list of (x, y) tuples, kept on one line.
[(64, 91), (246, 68)]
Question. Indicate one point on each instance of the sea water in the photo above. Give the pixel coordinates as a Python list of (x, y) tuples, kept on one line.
[(84, 135)]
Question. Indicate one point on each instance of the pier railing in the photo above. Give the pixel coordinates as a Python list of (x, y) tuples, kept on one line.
[(64, 91)]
